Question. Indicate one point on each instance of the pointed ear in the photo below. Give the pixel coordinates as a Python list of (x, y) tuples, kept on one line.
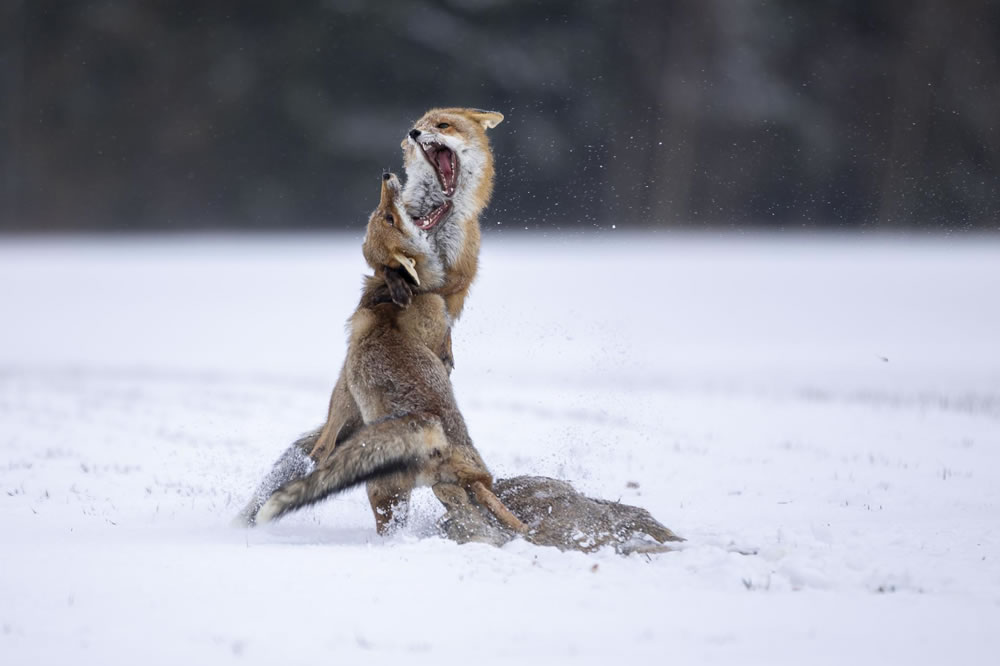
[(488, 119)]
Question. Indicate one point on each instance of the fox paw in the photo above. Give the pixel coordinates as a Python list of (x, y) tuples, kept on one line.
[(400, 290)]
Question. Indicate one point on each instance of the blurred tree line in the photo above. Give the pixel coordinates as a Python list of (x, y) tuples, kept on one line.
[(177, 114)]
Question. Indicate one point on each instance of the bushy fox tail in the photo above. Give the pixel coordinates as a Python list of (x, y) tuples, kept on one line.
[(293, 464), (393, 445)]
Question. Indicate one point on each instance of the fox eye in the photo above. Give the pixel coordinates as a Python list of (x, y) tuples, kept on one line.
[(443, 125), (390, 219)]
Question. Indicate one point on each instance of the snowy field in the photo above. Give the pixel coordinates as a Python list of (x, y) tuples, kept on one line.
[(819, 416)]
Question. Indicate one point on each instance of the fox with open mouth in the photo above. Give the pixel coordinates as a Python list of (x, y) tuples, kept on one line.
[(449, 182)]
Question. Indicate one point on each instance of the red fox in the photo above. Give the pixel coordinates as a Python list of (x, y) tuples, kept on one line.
[(449, 181), (413, 432)]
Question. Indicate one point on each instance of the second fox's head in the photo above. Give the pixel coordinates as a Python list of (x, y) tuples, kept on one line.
[(394, 241), (448, 158)]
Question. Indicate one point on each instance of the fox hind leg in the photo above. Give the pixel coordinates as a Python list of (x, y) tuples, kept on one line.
[(389, 497)]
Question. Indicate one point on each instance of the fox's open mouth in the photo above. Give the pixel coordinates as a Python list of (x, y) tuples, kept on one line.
[(430, 219), (445, 164)]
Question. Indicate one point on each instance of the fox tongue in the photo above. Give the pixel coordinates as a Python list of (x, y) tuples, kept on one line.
[(445, 166)]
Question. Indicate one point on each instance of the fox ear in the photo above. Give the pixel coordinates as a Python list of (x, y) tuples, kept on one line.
[(488, 119)]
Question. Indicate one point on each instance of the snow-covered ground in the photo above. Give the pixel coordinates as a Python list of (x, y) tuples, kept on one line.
[(819, 416)]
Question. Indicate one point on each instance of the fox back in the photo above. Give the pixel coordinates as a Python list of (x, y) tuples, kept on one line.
[(556, 514)]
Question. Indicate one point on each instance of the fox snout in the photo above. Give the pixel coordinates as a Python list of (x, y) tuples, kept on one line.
[(391, 188), (414, 133)]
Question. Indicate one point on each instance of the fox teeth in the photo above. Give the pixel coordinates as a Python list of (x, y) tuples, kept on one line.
[(409, 265)]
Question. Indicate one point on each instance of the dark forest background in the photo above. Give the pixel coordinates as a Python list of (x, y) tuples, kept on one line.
[(179, 114)]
